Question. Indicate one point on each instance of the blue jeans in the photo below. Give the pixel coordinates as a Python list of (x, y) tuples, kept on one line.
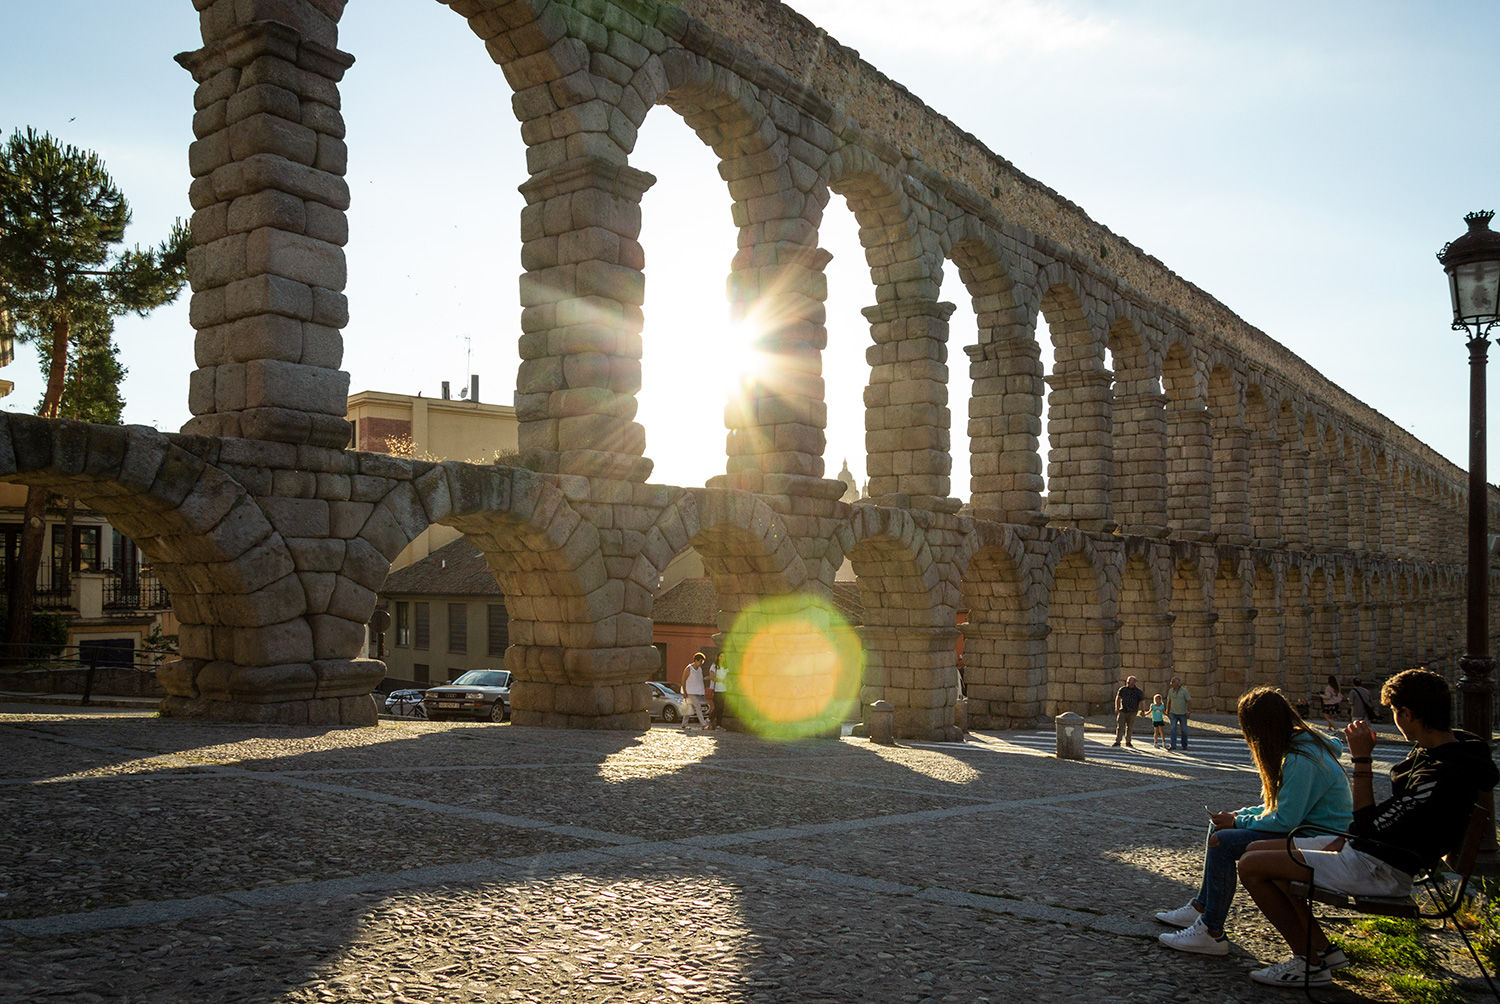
[(1179, 723), (1220, 874)]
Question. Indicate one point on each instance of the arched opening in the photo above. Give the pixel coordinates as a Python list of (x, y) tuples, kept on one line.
[(1004, 642), (1080, 446)]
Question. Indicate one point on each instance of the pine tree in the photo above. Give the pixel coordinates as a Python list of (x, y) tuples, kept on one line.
[(62, 283)]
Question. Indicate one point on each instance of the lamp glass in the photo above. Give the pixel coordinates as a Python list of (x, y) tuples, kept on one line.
[(1476, 293)]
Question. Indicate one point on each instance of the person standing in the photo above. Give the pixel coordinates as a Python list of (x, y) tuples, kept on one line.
[(718, 682), (1179, 707), (1361, 704), (692, 693), (1332, 698), (1127, 705)]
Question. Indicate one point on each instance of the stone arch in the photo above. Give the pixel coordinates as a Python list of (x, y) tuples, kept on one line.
[(1080, 462), (1005, 409), (909, 630), (908, 437), (1140, 433), (579, 643), (253, 643), (1083, 657), (1005, 635)]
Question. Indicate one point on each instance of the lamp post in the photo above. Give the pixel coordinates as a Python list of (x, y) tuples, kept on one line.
[(1473, 266)]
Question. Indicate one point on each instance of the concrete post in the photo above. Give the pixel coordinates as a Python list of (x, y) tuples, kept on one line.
[(880, 721), (1070, 736)]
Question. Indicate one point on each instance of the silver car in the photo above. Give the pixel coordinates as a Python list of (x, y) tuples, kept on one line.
[(666, 703), (405, 704), (479, 693)]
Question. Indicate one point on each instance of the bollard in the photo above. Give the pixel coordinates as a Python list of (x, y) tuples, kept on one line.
[(1070, 737), (881, 719), (961, 716)]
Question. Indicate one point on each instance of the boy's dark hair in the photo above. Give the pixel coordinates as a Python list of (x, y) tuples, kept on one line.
[(1423, 693)]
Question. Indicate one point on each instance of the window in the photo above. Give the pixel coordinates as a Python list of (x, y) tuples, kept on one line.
[(403, 624), (499, 629), (458, 628), (85, 551), (423, 627), (420, 673)]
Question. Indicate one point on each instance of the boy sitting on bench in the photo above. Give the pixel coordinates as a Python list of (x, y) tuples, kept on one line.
[(1433, 792)]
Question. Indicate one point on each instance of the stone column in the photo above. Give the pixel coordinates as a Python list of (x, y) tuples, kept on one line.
[(1294, 492), (1080, 467), (1317, 501), (1236, 647), (1140, 484), (268, 195), (1231, 485), (1265, 491), (581, 318), (1190, 453), (1193, 653), (907, 421), (1354, 494), (1005, 428), (1338, 509), (776, 424), (921, 677)]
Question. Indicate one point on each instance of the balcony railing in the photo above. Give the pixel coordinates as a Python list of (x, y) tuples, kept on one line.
[(129, 593)]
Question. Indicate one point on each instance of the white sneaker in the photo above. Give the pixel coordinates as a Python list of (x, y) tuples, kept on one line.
[(1183, 916), (1292, 972), (1196, 939), (1335, 958)]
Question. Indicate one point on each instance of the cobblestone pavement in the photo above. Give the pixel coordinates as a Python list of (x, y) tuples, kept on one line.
[(152, 860)]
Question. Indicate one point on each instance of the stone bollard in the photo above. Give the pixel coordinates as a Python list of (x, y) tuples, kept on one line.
[(1070, 737), (961, 716), (881, 719)]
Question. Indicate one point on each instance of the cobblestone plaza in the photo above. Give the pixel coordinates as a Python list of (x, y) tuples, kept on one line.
[(151, 860)]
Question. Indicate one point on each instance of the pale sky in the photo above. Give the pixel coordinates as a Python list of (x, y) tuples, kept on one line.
[(1302, 162)]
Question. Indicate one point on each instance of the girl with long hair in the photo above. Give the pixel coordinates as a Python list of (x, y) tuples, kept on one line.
[(1301, 781), (1332, 698)]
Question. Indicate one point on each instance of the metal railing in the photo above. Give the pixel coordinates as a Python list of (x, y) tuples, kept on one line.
[(70, 670), (126, 593)]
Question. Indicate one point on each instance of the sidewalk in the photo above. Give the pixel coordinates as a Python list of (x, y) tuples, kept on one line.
[(158, 860)]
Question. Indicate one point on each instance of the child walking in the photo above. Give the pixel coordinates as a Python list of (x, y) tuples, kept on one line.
[(1158, 720)]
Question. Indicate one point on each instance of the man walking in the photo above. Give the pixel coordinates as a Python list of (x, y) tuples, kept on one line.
[(1127, 705), (1179, 705)]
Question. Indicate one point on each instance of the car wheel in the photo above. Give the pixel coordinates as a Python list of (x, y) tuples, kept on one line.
[(670, 714), (497, 712)]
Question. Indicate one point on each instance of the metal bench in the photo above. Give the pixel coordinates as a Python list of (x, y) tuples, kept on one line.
[(1460, 864)]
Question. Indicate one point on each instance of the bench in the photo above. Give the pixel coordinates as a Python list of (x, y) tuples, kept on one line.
[(1461, 864)]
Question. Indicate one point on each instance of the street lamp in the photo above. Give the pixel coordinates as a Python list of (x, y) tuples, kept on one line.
[(1473, 266)]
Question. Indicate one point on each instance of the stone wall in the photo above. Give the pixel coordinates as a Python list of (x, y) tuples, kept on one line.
[(1216, 509)]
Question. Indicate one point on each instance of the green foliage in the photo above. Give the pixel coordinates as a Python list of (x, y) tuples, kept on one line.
[(1397, 954), (1422, 990), (60, 219)]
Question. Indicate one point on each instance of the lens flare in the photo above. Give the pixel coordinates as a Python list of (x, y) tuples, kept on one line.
[(796, 666)]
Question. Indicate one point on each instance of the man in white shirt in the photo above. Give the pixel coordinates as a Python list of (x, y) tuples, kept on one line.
[(692, 693)]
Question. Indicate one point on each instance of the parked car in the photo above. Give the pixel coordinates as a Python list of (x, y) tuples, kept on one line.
[(479, 693), (666, 703), (405, 704)]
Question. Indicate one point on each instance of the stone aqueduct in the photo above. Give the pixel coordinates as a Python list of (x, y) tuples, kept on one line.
[(1216, 508)]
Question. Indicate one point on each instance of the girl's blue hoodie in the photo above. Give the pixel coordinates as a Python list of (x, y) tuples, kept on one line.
[(1313, 790)]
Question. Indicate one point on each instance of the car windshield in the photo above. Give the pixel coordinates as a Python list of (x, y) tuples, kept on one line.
[(484, 678)]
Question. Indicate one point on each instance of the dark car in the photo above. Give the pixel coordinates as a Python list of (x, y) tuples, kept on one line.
[(479, 693)]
